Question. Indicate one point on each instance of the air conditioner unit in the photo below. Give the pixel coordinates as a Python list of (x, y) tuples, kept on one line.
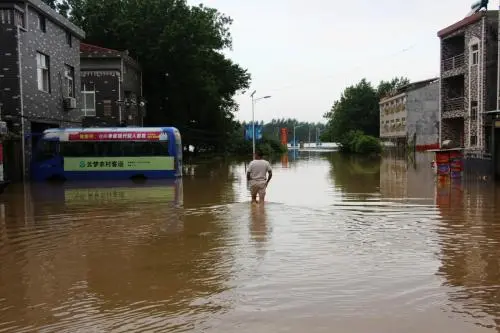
[(69, 103), (3, 128)]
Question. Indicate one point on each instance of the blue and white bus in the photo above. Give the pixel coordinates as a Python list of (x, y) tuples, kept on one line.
[(108, 153)]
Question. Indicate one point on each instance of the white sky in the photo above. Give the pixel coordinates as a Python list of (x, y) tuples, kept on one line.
[(304, 53)]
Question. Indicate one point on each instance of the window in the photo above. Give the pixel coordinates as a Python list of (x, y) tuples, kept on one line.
[(114, 149), (69, 80), (47, 150), (473, 140), (19, 18), (43, 72), (475, 54), (6, 16), (69, 38), (88, 101), (41, 23), (473, 110), (107, 108)]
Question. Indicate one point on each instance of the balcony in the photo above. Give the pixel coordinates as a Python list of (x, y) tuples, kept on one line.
[(453, 107), (457, 61)]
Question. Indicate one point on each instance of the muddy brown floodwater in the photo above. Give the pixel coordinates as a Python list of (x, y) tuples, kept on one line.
[(343, 245)]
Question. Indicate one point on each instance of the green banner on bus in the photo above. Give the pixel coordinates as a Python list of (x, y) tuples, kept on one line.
[(142, 163)]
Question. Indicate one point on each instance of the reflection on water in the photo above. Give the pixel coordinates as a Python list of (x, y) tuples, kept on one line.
[(345, 244)]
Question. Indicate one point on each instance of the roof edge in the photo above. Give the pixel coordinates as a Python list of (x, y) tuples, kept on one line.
[(460, 24), (58, 18)]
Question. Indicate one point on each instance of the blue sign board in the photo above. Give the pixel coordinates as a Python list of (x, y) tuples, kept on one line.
[(249, 132)]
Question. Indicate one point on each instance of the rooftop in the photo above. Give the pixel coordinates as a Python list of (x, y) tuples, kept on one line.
[(409, 87), (56, 17), (94, 51), (465, 22)]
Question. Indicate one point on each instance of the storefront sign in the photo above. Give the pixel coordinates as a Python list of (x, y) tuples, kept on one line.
[(162, 163)]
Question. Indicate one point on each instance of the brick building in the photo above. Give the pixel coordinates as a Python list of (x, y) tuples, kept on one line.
[(111, 86), (409, 117), (40, 62), (469, 64)]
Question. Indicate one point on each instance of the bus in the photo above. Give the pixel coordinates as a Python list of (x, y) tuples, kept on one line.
[(107, 154)]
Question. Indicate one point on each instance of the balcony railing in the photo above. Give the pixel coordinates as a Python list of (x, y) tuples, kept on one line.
[(454, 62), (453, 104)]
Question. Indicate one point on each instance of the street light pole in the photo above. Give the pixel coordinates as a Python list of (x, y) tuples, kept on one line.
[(254, 100), (295, 127)]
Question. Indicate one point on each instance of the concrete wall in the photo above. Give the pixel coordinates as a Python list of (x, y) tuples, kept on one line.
[(423, 115)]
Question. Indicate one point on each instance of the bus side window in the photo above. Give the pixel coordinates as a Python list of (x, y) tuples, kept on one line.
[(164, 151), (78, 149), (47, 150)]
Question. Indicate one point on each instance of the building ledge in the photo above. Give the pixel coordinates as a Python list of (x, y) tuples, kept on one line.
[(460, 24)]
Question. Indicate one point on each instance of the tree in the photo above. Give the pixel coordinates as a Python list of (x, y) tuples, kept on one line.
[(386, 88), (61, 6), (358, 109), (188, 82), (51, 3)]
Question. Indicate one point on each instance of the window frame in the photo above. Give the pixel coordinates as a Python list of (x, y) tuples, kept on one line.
[(88, 112), (69, 38), (475, 139), (474, 52), (43, 70), (69, 80), (41, 23), (474, 110)]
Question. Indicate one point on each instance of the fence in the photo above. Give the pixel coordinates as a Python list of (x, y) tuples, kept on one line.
[(478, 166)]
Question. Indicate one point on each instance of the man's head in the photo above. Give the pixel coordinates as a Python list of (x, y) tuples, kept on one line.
[(258, 155)]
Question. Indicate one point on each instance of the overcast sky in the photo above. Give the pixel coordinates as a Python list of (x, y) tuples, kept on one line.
[(303, 53)]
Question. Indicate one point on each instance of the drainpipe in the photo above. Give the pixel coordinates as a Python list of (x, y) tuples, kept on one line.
[(440, 118), (142, 98), (120, 90), (480, 136), (20, 67)]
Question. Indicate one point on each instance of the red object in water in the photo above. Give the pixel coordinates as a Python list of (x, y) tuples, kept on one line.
[(284, 136)]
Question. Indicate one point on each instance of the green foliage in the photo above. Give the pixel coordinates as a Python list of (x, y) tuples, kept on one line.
[(303, 132), (240, 146), (188, 82), (387, 88), (358, 110), (359, 143), (366, 144)]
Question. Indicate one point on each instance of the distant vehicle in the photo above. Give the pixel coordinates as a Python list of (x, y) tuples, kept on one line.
[(108, 154)]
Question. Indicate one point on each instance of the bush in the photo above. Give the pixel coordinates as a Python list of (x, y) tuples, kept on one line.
[(366, 144), (359, 143), (240, 146)]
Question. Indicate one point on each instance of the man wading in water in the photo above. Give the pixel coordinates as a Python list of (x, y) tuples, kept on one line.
[(256, 177)]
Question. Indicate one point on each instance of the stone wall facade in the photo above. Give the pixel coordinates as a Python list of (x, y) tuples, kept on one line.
[(116, 77), (26, 108), (465, 124)]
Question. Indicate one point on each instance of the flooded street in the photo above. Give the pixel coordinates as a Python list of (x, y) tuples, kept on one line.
[(343, 245)]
